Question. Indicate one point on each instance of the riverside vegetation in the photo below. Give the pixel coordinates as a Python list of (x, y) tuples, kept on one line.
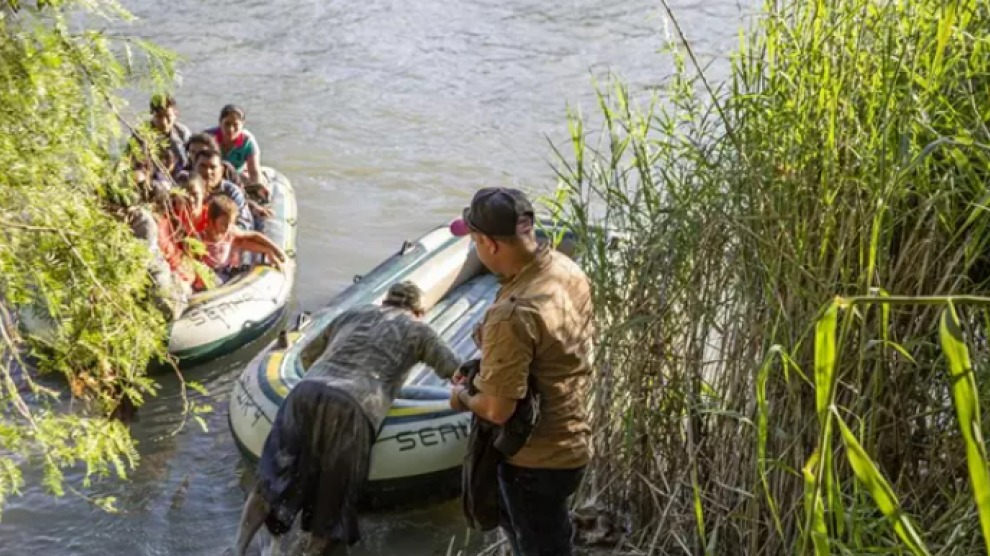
[(793, 355), (65, 248)]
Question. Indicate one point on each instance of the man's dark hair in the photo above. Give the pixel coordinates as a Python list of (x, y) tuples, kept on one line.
[(204, 138), (161, 102), (404, 295), (208, 154)]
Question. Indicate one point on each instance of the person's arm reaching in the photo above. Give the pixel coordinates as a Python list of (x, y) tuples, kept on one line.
[(319, 344), (257, 242), (434, 351)]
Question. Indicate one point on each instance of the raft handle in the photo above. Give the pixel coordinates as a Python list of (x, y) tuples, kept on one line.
[(283, 340), (303, 320), (406, 246), (357, 278)]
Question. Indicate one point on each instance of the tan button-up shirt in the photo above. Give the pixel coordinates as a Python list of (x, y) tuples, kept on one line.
[(541, 324)]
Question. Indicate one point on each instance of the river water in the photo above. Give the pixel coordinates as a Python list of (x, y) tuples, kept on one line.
[(386, 116)]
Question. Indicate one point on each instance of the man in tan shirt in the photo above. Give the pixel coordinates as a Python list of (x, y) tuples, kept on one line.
[(538, 331)]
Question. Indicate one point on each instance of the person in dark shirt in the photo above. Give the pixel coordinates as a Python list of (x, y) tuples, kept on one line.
[(165, 121), (316, 456), (197, 144), (209, 166)]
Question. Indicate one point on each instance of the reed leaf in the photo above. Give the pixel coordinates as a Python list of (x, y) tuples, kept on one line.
[(825, 330), (814, 508), (763, 426), (965, 396), (868, 474)]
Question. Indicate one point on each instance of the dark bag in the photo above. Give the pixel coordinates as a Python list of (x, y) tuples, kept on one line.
[(515, 433), (488, 445), (479, 477)]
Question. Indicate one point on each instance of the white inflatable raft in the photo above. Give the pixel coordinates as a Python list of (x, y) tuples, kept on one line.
[(421, 444), (221, 320)]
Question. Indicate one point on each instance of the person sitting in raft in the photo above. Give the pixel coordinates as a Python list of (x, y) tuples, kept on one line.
[(140, 204), (166, 266), (170, 242), (316, 456), (199, 143), (165, 120), (168, 169), (145, 175), (238, 145), (210, 168), (189, 208), (191, 219), (223, 240)]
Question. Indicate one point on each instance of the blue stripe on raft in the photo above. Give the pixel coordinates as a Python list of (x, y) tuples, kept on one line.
[(417, 418), (265, 385)]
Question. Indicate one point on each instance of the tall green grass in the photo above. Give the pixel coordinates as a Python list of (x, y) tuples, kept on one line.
[(794, 356)]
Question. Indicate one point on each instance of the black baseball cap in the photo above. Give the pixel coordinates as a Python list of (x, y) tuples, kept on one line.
[(496, 212)]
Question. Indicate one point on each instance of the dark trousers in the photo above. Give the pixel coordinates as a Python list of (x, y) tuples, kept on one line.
[(533, 510)]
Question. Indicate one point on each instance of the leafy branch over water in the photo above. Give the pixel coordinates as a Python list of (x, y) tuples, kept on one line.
[(740, 410), (65, 249)]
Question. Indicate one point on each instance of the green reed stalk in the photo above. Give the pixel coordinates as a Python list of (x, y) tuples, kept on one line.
[(842, 164)]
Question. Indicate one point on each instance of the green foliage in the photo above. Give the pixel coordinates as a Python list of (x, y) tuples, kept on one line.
[(967, 402), (846, 155), (65, 252)]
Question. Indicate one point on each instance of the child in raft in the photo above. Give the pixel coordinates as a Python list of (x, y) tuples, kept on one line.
[(189, 208), (223, 240)]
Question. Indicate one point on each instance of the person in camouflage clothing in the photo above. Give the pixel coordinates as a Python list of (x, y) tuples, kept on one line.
[(316, 456)]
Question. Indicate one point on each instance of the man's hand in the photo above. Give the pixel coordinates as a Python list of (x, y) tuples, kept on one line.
[(259, 190), (455, 399), (259, 211), (465, 371)]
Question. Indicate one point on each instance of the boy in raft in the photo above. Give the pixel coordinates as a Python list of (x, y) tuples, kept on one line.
[(165, 120), (316, 456), (222, 239)]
